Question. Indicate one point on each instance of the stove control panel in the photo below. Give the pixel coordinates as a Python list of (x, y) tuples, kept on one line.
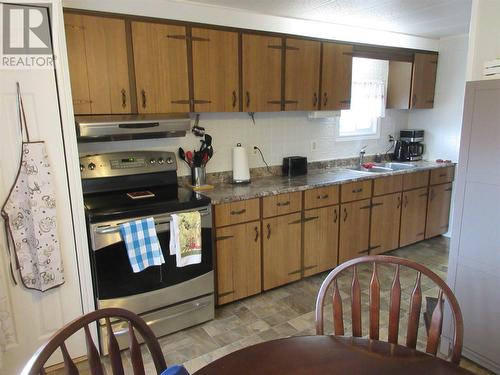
[(126, 163)]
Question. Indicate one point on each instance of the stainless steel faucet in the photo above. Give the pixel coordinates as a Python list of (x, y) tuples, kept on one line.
[(362, 153)]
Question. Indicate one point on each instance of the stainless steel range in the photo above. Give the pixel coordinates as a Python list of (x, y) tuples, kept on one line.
[(168, 298)]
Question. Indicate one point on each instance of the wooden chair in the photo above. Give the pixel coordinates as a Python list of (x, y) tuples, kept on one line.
[(37, 361), (394, 308)]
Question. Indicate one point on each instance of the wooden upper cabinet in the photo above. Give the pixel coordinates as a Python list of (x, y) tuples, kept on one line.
[(98, 64), (302, 67), (424, 80), (261, 73), (399, 84), (336, 76), (161, 67), (215, 70)]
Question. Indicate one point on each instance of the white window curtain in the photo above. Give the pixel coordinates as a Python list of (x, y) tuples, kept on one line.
[(368, 98)]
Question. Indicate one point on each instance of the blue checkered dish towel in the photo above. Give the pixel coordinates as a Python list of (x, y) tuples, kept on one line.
[(142, 244)]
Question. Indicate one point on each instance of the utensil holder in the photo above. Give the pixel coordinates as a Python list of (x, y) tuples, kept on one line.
[(198, 176)]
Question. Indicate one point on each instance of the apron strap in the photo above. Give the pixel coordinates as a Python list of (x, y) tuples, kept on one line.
[(9, 239), (22, 114)]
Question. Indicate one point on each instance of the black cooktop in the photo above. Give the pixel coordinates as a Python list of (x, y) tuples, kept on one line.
[(118, 205)]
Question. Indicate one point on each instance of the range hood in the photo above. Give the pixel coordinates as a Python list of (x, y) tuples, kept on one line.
[(126, 127)]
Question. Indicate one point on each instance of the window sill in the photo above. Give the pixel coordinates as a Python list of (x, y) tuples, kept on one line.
[(360, 137)]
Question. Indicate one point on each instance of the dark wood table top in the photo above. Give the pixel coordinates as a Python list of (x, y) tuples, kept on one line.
[(313, 355)]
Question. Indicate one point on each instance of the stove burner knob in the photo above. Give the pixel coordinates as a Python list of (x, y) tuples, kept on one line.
[(170, 160), (161, 160), (91, 166), (152, 161), (82, 167)]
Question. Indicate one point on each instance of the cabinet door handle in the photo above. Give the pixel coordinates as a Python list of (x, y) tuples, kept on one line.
[(365, 207), (124, 98), (399, 202), (432, 195), (335, 215), (347, 101), (442, 175), (449, 189), (324, 196), (280, 204), (345, 214), (315, 99), (358, 190), (143, 94), (377, 204), (294, 272), (248, 99), (414, 100), (234, 99), (242, 211), (406, 200), (325, 99), (256, 234), (364, 251), (268, 231)]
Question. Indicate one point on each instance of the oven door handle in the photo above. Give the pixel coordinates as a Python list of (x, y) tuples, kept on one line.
[(116, 228), (159, 223)]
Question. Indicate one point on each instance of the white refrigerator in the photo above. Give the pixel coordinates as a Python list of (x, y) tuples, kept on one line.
[(474, 267)]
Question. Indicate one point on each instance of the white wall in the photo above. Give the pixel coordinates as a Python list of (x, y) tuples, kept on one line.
[(443, 123), (277, 134), (485, 41), (185, 11)]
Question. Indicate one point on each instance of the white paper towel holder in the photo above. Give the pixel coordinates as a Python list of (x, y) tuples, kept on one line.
[(241, 171)]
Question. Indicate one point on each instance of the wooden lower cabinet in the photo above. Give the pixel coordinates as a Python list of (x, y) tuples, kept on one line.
[(385, 220), (413, 215), (238, 261), (321, 236), (354, 229), (438, 210), (281, 250)]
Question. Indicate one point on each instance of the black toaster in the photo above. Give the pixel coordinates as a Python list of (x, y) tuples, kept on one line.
[(294, 166)]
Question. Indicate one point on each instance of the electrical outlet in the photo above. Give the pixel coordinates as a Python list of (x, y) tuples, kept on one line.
[(391, 138), (254, 150), (314, 145)]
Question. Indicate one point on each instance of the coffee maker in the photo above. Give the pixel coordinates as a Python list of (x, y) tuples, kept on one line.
[(410, 146)]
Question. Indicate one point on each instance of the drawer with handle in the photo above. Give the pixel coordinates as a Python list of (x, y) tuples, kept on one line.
[(281, 204), (415, 180), (442, 175), (387, 185), (320, 197), (354, 191), (237, 212)]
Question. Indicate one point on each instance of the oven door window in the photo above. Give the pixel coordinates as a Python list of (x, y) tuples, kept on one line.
[(114, 277)]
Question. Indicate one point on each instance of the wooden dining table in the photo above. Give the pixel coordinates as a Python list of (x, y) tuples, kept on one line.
[(311, 355)]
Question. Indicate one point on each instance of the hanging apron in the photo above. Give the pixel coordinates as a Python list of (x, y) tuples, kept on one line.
[(30, 216)]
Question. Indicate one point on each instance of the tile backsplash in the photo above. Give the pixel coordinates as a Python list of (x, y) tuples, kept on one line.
[(276, 134)]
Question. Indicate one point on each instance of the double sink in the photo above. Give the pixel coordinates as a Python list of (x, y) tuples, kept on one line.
[(384, 167)]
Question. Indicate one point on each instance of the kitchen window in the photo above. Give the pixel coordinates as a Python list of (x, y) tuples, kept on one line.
[(368, 93)]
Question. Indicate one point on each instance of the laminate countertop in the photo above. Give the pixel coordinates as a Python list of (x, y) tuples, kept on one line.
[(273, 185)]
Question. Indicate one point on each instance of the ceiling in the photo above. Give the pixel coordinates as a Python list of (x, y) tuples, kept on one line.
[(428, 18)]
